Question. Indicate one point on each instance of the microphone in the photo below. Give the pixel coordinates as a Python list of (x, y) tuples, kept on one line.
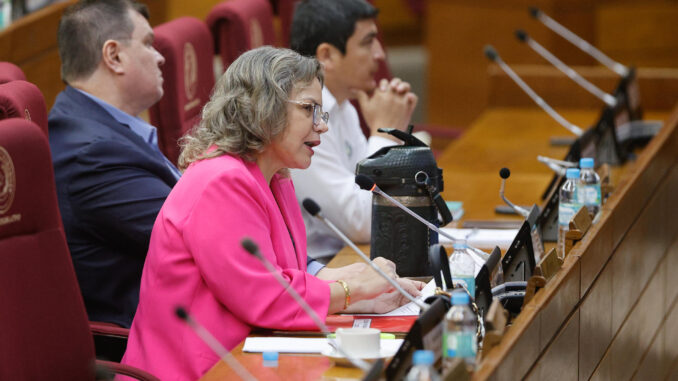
[(578, 42), (505, 173), (366, 183), (494, 56), (557, 166), (568, 71), (253, 249), (214, 344), (314, 210)]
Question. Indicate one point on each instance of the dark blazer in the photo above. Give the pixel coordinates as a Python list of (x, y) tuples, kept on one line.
[(110, 185)]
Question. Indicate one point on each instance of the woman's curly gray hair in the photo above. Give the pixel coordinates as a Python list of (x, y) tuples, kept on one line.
[(248, 107)]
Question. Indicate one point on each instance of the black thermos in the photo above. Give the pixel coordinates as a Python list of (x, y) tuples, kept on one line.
[(409, 174)]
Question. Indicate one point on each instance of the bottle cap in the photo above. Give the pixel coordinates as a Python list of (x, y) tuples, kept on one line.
[(422, 357), (460, 298), (270, 356), (572, 173), (586, 162), (460, 245)]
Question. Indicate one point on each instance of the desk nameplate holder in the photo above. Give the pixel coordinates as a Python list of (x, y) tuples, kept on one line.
[(426, 333), (606, 187), (579, 225), (495, 327), (550, 264)]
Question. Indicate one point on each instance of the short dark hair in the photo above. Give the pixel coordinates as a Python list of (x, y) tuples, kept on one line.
[(330, 21), (84, 28)]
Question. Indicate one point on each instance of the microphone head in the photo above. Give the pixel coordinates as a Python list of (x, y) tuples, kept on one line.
[(490, 52), (311, 206), (504, 173), (250, 246), (534, 12), (181, 313), (364, 182), (521, 35)]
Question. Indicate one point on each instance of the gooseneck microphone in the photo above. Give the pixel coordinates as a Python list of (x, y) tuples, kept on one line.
[(366, 183), (504, 173), (557, 166), (578, 42), (568, 71), (492, 55), (253, 249), (314, 210), (214, 344)]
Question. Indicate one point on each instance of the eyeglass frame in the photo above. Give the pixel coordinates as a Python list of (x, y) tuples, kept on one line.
[(317, 112)]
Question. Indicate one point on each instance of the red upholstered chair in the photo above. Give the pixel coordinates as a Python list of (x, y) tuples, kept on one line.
[(10, 72), (187, 46), (21, 99), (43, 324), (285, 11), (240, 25)]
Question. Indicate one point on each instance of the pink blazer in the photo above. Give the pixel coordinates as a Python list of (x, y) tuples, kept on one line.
[(195, 260)]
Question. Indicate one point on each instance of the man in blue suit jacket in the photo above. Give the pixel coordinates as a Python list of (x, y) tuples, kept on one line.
[(111, 177)]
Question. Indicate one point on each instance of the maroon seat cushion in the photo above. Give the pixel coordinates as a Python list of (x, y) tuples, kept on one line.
[(240, 25), (44, 326), (188, 74), (10, 72), (21, 99)]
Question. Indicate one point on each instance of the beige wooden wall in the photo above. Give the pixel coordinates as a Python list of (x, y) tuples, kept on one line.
[(638, 33)]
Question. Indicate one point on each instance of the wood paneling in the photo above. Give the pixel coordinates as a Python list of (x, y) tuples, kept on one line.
[(658, 87), (595, 324), (562, 362), (456, 31)]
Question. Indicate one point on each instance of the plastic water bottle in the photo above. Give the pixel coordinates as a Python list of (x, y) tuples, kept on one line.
[(463, 267), (422, 367), (569, 205), (589, 191), (459, 335)]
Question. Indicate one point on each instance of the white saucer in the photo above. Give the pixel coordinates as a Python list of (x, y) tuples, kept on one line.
[(339, 359)]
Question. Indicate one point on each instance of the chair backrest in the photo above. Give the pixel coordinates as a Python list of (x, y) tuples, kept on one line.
[(10, 72), (187, 46), (21, 99), (285, 11), (240, 25), (43, 324)]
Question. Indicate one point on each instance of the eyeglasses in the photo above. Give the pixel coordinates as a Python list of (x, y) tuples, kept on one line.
[(318, 113)]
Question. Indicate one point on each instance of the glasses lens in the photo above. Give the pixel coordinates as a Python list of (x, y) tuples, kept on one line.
[(317, 114)]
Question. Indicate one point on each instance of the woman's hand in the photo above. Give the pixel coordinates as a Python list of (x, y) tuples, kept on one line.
[(389, 301)]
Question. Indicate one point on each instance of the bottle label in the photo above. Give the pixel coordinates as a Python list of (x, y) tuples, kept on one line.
[(567, 210), (460, 344), (590, 194), (467, 281)]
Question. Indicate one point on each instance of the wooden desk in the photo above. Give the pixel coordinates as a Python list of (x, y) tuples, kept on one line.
[(548, 340)]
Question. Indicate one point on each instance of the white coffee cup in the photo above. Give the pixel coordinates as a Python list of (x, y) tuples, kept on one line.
[(360, 342)]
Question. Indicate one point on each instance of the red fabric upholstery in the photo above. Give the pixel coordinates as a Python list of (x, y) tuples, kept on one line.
[(285, 11), (43, 320), (188, 75), (44, 333), (240, 25), (21, 99), (10, 72)]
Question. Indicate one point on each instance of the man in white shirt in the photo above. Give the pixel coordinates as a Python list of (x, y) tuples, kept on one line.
[(342, 35)]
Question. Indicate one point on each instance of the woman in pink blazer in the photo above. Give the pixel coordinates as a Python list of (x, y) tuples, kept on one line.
[(264, 117)]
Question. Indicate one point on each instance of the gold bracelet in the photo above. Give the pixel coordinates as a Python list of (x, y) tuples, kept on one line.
[(347, 301)]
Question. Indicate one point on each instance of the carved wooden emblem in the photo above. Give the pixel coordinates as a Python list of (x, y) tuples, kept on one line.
[(7, 181)]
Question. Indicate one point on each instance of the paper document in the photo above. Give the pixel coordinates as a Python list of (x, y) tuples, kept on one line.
[(481, 238), (302, 345), (410, 309)]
